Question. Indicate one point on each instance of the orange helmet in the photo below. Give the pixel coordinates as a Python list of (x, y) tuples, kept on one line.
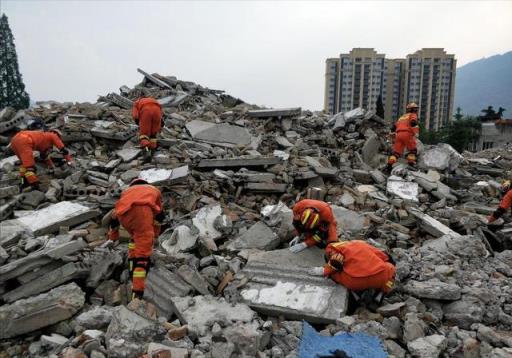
[(310, 219), (411, 106)]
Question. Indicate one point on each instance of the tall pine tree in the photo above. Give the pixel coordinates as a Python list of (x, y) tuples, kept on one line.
[(380, 107), (12, 89)]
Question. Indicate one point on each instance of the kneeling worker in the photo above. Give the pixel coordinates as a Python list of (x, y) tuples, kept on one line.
[(315, 223), (505, 204), (140, 211), (358, 266)]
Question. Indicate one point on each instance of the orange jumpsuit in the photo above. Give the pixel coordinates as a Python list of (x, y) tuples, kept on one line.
[(406, 129), (326, 231), (136, 210), (147, 112), (25, 142), (364, 266), (505, 204)]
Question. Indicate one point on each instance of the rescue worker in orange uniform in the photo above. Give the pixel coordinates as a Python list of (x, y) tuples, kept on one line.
[(147, 113), (140, 211), (315, 223), (358, 266), (406, 131), (25, 142), (505, 204)]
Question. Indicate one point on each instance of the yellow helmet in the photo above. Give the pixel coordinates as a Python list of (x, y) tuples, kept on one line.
[(411, 105)]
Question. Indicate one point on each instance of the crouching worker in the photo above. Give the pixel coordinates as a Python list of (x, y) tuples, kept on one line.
[(314, 223), (25, 143), (358, 266), (140, 211)]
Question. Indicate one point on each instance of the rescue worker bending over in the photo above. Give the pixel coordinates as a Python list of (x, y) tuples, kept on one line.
[(147, 113), (315, 223), (358, 266), (505, 204), (25, 142), (406, 130), (140, 211)]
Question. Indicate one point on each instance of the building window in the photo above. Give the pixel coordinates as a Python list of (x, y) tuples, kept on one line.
[(487, 145)]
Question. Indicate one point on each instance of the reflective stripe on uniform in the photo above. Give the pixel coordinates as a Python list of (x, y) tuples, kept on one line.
[(306, 216), (315, 220), (139, 274), (389, 284), (317, 238), (131, 245), (29, 174)]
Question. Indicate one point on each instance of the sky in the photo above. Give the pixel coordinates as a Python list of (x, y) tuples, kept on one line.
[(264, 52)]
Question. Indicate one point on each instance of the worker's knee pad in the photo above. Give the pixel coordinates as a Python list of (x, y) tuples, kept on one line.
[(30, 176), (144, 141)]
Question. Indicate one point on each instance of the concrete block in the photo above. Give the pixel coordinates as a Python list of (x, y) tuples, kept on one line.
[(266, 187), (121, 101), (102, 264), (9, 191), (440, 157), (259, 236), (194, 279), (349, 220), (9, 161), (277, 113), (33, 313), (182, 239), (52, 217), (436, 290), (204, 221), (201, 312), (165, 176), (53, 279), (153, 79), (279, 284), (218, 133), (238, 162), (96, 318)]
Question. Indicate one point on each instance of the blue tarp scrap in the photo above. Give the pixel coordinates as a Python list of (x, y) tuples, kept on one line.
[(355, 345)]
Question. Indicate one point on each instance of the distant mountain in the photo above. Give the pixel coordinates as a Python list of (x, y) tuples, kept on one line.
[(485, 82)]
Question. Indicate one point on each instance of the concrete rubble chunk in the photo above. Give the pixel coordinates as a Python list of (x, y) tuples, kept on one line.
[(259, 236), (221, 133), (266, 187), (403, 189), (440, 157), (49, 219), (96, 318), (127, 333), (40, 311), (279, 284), (204, 221), (427, 347), (157, 176), (128, 154), (182, 239), (194, 279), (202, 311), (349, 220), (433, 289)]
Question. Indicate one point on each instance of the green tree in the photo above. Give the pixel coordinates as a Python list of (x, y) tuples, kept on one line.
[(12, 89), (458, 115), (380, 107)]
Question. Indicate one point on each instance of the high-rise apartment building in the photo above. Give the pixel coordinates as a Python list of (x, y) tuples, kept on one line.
[(358, 78)]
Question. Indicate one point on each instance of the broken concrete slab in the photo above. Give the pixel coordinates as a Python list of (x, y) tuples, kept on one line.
[(238, 162), (40, 311), (403, 189), (219, 133), (277, 113), (266, 187), (155, 80), (9, 191), (194, 279), (53, 279), (279, 284), (427, 347), (204, 221), (182, 239), (431, 225), (165, 176), (259, 236), (202, 312), (370, 150), (96, 318), (49, 219)]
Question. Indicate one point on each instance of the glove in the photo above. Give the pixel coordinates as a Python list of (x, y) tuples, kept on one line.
[(316, 271), (295, 241), (298, 248), (491, 219), (113, 235)]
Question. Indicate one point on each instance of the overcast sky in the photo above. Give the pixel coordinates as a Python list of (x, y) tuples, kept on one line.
[(267, 53)]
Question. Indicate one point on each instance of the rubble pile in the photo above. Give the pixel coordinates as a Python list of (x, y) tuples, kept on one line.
[(223, 282)]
